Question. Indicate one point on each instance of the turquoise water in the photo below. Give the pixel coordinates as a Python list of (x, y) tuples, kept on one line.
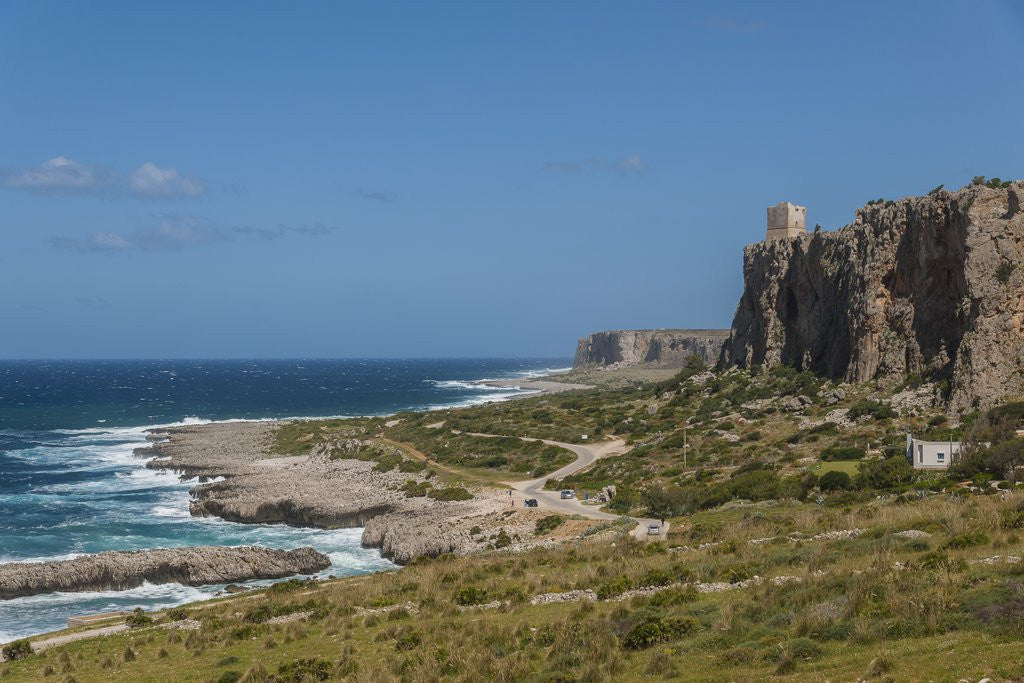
[(70, 484)]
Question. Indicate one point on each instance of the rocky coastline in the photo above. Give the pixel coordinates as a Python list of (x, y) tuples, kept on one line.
[(253, 485), (124, 569)]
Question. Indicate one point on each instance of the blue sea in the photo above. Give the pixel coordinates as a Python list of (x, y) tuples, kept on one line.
[(70, 484)]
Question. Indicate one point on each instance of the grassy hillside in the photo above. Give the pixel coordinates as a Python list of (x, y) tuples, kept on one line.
[(739, 592), (802, 546)]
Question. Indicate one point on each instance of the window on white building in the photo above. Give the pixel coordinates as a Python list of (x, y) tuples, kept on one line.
[(940, 457)]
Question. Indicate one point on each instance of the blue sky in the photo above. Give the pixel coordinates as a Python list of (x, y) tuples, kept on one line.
[(196, 179)]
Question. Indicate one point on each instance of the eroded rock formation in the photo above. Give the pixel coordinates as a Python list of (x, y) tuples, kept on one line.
[(663, 348), (124, 569), (252, 485), (925, 285)]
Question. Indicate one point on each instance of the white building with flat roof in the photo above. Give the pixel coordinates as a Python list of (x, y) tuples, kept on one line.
[(931, 455)]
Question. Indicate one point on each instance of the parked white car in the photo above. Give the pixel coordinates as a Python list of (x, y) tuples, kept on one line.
[(654, 530)]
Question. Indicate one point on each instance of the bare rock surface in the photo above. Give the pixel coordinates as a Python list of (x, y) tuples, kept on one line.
[(253, 485), (664, 348), (124, 569), (928, 286)]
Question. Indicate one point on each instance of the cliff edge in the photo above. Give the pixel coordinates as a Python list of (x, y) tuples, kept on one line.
[(662, 348), (923, 285)]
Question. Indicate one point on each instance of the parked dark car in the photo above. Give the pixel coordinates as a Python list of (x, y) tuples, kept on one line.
[(530, 502)]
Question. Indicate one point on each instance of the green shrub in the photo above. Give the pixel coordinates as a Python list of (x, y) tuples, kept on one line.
[(876, 409), (260, 614), (757, 485), (450, 493), (549, 523), (414, 489), (502, 540), (177, 614), (1004, 271), (388, 462), (408, 641), (802, 648), (835, 453), (138, 618), (884, 474), (966, 540), (652, 630), (470, 595), (17, 649), (616, 586), (937, 560), (835, 481), (409, 466), (290, 586), (301, 670)]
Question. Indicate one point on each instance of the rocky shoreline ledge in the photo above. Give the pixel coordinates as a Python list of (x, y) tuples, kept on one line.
[(254, 485), (124, 569)]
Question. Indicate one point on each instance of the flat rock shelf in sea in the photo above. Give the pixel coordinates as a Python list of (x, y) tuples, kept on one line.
[(124, 569)]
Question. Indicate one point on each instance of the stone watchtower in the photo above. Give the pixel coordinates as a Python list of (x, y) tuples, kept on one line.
[(786, 220)]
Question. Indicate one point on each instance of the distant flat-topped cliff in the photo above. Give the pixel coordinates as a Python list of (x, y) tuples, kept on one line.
[(662, 348), (930, 286)]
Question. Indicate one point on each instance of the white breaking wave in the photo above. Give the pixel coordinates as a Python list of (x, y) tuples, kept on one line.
[(537, 374), (158, 502)]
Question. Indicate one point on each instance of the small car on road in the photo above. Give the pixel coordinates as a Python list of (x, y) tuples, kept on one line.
[(530, 502), (568, 493), (654, 530)]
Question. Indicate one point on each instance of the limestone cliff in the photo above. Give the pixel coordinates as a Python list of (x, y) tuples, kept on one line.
[(927, 285), (665, 348)]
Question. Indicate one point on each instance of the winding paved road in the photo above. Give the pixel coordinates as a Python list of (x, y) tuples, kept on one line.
[(586, 455)]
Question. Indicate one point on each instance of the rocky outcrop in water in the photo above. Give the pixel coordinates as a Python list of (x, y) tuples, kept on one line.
[(929, 286), (660, 348), (124, 569)]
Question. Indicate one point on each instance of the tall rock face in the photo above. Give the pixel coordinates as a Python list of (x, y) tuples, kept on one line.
[(927, 285), (661, 348)]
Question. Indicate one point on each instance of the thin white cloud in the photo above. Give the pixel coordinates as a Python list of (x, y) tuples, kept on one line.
[(179, 232), (63, 176), (149, 180), (630, 164), (60, 175)]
